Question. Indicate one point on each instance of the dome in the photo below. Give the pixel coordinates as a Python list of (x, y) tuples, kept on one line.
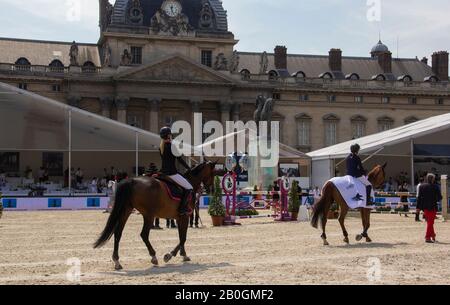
[(190, 8), (380, 48)]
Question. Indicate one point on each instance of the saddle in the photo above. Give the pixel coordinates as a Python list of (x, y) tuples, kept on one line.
[(174, 191)]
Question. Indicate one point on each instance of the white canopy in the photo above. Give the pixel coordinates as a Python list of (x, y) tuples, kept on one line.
[(381, 141)]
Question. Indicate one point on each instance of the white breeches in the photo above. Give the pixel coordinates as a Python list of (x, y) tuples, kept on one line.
[(366, 182), (181, 181)]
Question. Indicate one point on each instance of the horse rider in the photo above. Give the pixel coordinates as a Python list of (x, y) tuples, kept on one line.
[(169, 168), (356, 170)]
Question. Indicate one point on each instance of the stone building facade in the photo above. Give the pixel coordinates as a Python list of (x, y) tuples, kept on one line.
[(158, 61)]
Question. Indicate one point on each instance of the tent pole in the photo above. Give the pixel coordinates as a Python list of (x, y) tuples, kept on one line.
[(137, 154), (70, 153), (412, 165)]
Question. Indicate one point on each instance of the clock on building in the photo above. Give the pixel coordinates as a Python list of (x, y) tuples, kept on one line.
[(172, 8)]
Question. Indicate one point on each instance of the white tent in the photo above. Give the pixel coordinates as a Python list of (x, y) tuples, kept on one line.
[(396, 144)]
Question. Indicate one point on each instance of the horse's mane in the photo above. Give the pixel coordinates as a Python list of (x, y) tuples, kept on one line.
[(197, 169)]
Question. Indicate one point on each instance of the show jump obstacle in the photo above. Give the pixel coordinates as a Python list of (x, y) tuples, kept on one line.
[(229, 187)]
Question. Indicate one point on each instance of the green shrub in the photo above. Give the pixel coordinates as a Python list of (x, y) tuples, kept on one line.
[(249, 212), (294, 201), (216, 207)]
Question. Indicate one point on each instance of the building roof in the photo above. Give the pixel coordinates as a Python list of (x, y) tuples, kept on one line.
[(42, 53), (315, 65), (375, 142)]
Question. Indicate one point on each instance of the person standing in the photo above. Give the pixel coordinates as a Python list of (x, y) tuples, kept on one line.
[(421, 180), (429, 196)]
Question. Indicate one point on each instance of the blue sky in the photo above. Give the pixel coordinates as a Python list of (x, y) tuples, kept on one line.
[(304, 26)]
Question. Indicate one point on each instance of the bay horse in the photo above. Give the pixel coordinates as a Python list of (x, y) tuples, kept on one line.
[(330, 194), (149, 196)]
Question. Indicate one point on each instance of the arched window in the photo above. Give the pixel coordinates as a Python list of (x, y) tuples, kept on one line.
[(273, 75), (410, 120), (326, 75), (89, 67), (304, 131), (353, 76), (299, 76), (56, 66), (331, 122), (405, 78), (431, 79), (23, 64), (358, 126), (385, 123), (245, 74), (379, 77)]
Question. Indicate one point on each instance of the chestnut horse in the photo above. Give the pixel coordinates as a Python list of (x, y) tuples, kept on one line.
[(149, 196), (330, 194)]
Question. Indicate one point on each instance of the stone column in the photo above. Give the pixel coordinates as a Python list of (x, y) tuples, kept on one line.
[(195, 106), (122, 105), (236, 111), (74, 100), (225, 108), (154, 106), (106, 103)]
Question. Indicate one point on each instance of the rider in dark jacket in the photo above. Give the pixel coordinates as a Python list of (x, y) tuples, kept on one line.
[(356, 170), (169, 168)]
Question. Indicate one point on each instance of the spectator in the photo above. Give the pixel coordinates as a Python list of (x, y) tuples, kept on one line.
[(46, 175), (421, 180), (29, 173), (79, 176), (106, 176), (276, 190), (41, 174), (113, 174), (300, 193), (429, 196), (404, 198), (2, 177)]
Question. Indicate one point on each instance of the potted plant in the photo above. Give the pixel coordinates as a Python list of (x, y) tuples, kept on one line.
[(333, 213), (216, 208), (294, 201)]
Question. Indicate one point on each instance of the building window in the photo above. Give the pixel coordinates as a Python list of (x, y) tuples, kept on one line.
[(136, 120), (358, 127), (412, 100), (207, 58), (331, 98), (88, 67), (276, 96), (385, 100), (411, 120), (23, 64), (304, 131), (439, 101), (359, 99), (136, 55), (9, 162), (56, 66), (385, 123), (304, 97), (56, 88), (245, 74), (169, 120), (331, 124), (23, 86), (273, 75)]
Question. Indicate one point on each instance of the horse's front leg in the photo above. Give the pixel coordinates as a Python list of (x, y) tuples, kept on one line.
[(183, 224)]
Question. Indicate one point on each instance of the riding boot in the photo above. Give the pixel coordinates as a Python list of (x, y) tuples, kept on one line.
[(184, 204), (369, 195)]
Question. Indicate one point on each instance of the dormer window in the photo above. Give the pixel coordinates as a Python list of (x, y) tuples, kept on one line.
[(23, 64), (353, 76), (326, 75), (88, 67), (273, 75), (245, 74)]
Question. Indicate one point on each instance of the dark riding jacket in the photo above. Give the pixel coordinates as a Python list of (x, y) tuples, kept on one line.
[(169, 161), (429, 196), (354, 166)]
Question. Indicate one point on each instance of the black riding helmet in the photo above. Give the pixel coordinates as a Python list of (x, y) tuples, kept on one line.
[(165, 132), (355, 148)]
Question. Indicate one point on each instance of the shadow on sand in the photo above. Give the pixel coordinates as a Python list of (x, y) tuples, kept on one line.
[(169, 268)]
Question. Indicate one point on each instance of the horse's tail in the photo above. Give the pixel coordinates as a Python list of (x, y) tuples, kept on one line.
[(122, 202), (320, 207)]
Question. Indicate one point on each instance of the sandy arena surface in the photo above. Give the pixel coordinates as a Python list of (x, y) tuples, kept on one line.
[(35, 246)]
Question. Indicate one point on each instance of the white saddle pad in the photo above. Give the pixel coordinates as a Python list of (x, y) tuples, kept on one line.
[(349, 187)]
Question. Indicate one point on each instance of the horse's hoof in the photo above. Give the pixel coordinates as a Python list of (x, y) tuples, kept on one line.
[(155, 261), (325, 243), (346, 240), (368, 240), (118, 267), (186, 259), (167, 257), (359, 237)]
